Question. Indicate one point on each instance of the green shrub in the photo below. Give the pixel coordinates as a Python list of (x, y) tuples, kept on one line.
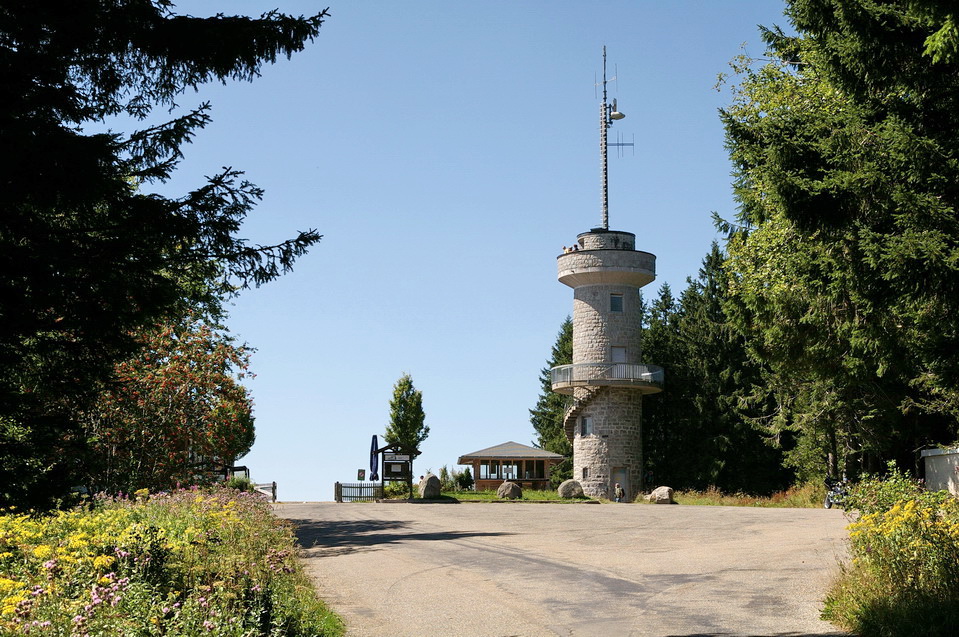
[(874, 494), (447, 483), (395, 490), (464, 479), (455, 480), (904, 575), (240, 484)]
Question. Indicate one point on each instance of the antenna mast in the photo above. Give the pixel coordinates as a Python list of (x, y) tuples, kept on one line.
[(606, 116)]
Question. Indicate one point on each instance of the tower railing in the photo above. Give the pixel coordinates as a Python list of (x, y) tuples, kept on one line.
[(606, 373)]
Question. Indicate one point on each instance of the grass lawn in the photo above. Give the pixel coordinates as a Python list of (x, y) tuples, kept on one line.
[(490, 496), (804, 496)]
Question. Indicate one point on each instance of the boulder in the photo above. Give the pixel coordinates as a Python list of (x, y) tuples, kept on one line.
[(661, 495), (570, 489), (429, 487), (509, 491)]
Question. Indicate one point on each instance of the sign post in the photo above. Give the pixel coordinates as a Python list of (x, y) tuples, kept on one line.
[(397, 464)]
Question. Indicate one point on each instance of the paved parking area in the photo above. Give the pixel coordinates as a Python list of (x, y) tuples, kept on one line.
[(496, 569)]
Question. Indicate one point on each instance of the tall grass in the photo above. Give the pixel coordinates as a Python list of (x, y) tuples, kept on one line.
[(214, 562), (809, 495), (804, 496)]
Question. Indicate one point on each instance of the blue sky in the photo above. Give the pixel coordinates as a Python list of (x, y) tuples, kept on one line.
[(447, 151)]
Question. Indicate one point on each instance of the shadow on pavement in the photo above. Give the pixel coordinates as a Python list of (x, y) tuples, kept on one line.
[(837, 634), (348, 536)]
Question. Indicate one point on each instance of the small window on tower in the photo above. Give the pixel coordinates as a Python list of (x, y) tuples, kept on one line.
[(615, 302), (586, 426), (585, 472)]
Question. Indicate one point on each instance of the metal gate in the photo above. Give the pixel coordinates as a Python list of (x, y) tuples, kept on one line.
[(357, 491)]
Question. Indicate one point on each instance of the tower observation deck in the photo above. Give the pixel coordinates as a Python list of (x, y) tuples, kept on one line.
[(606, 274)]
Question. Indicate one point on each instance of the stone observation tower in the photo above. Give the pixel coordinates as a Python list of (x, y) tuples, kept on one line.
[(607, 379)]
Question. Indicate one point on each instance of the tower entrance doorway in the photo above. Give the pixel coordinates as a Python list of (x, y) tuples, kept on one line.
[(620, 475)]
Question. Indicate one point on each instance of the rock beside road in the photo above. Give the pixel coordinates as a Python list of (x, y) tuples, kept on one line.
[(570, 489), (661, 495), (509, 491), (429, 487)]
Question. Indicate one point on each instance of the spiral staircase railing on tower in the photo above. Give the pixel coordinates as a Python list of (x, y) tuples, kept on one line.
[(575, 409)]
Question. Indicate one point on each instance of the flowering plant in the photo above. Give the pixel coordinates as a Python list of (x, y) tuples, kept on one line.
[(904, 573), (191, 562)]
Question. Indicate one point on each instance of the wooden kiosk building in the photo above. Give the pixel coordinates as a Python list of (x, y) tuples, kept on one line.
[(527, 466)]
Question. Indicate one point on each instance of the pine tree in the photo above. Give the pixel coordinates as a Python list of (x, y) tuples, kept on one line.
[(407, 418), (699, 432), (845, 256), (547, 416), (732, 452), (664, 413)]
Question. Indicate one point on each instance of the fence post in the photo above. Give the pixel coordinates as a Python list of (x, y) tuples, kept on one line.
[(337, 492), (274, 490)]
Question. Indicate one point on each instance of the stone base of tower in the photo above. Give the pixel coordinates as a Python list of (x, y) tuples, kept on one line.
[(608, 444)]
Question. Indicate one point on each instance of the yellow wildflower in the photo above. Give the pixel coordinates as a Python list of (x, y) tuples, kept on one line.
[(78, 540), (43, 551), (103, 561), (9, 604)]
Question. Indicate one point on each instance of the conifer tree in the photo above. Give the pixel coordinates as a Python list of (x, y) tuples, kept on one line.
[(664, 413), (89, 256), (407, 420), (726, 396), (844, 257), (547, 416), (700, 431)]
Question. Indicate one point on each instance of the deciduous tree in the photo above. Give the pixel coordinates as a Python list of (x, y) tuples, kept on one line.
[(175, 412)]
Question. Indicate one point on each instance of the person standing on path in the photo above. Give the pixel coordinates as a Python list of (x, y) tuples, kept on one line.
[(619, 493)]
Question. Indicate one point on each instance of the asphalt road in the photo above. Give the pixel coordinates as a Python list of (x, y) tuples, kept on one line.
[(497, 569)]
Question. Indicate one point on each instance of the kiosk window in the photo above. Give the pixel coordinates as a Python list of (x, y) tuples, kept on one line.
[(489, 470)]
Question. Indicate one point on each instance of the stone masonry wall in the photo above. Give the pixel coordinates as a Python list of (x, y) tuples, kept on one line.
[(596, 330), (607, 240), (613, 260), (616, 442)]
